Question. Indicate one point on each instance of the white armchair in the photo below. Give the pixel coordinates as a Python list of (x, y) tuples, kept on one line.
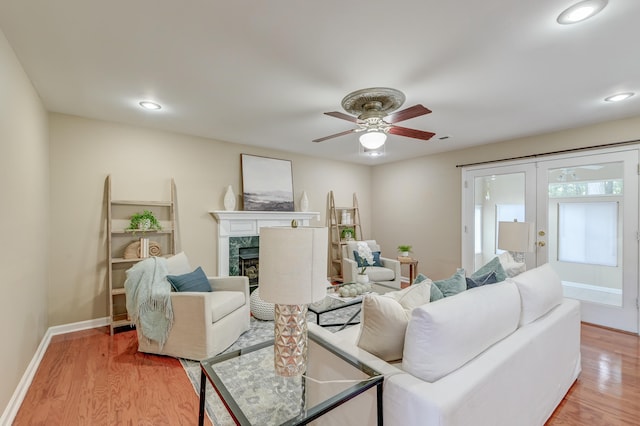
[(207, 323), (204, 323), (389, 273)]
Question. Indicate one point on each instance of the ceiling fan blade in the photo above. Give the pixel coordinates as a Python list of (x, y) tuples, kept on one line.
[(343, 116), (346, 132), (405, 114), (411, 133)]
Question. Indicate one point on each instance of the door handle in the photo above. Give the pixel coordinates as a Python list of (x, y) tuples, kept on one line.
[(541, 244)]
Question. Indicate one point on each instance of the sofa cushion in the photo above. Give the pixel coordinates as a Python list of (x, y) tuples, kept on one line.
[(225, 302), (352, 246), (385, 317), (436, 294), (361, 262), (540, 291), (510, 266), (178, 264), (443, 336), (378, 273), (489, 278), (193, 281), (493, 265), (452, 285)]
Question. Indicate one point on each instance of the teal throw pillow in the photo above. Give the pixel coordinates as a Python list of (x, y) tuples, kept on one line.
[(421, 277), (193, 281), (489, 278), (452, 285), (361, 262), (436, 294), (493, 265)]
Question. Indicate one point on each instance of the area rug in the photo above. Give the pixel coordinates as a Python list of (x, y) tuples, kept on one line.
[(259, 331)]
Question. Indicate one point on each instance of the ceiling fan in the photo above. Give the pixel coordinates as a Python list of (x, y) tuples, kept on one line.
[(374, 114)]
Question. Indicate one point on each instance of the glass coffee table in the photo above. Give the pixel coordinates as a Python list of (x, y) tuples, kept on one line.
[(253, 394), (332, 302)]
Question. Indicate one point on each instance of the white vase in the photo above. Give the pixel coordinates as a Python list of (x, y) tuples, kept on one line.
[(362, 278), (304, 202), (229, 199)]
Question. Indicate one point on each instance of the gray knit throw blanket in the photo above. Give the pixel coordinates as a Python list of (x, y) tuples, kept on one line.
[(148, 298)]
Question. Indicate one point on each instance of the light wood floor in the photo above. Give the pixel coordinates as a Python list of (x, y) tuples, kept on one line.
[(90, 378)]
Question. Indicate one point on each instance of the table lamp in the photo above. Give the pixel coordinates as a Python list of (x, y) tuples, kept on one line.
[(293, 273), (516, 237)]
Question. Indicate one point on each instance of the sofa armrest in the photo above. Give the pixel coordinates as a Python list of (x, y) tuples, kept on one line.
[(392, 264), (191, 312), (230, 284), (349, 270)]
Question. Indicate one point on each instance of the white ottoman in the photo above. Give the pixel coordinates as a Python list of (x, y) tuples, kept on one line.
[(259, 308)]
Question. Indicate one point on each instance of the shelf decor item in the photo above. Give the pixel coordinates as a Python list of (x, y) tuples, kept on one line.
[(267, 184), (143, 222), (304, 202), (293, 273), (229, 199)]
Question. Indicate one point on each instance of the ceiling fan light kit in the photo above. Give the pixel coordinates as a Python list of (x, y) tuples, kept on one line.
[(373, 139), (375, 115)]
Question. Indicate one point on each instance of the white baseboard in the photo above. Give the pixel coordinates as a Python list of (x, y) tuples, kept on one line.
[(23, 385)]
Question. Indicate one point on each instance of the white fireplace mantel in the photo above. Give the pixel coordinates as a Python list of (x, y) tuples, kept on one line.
[(247, 224)]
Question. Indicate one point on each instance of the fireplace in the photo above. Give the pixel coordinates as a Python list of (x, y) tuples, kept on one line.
[(241, 229), (243, 257), (248, 258)]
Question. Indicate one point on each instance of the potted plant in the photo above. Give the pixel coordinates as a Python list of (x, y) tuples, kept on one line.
[(143, 222), (404, 250), (366, 256)]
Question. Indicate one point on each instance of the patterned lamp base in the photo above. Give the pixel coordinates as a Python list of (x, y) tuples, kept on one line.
[(290, 340)]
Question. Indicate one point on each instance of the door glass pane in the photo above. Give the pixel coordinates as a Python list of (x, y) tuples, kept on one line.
[(585, 230), (497, 197), (587, 233)]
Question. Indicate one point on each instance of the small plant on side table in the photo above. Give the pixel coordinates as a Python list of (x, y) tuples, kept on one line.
[(404, 250)]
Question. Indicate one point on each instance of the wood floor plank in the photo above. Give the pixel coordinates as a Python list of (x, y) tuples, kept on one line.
[(92, 378)]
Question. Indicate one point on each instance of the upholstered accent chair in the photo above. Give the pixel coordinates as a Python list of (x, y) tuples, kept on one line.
[(204, 323), (389, 273)]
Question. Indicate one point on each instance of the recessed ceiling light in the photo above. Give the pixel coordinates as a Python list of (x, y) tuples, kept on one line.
[(581, 11), (619, 97), (150, 105)]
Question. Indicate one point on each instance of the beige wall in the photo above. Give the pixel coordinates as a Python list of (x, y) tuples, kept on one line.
[(418, 201), (24, 220), (141, 163)]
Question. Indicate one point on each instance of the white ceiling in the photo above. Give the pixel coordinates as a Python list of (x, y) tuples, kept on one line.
[(261, 72)]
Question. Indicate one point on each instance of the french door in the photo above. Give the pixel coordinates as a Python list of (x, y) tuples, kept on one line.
[(585, 212)]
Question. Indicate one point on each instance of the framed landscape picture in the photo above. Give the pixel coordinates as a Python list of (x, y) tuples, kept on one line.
[(267, 184)]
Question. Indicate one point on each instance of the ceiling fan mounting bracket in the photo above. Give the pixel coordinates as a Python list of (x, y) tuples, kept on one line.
[(376, 102)]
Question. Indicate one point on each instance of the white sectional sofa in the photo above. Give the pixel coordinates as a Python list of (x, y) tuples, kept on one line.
[(501, 354)]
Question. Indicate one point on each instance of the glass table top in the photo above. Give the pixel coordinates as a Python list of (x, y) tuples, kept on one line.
[(246, 382), (333, 300)]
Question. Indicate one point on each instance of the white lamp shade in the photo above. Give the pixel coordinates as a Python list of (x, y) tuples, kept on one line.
[(293, 265), (516, 236), (373, 139)]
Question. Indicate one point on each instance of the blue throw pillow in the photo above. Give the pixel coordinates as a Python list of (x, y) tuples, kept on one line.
[(452, 285), (193, 281), (493, 265), (361, 262), (489, 278)]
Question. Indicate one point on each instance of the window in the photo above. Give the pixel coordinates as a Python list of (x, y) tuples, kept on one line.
[(587, 233)]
